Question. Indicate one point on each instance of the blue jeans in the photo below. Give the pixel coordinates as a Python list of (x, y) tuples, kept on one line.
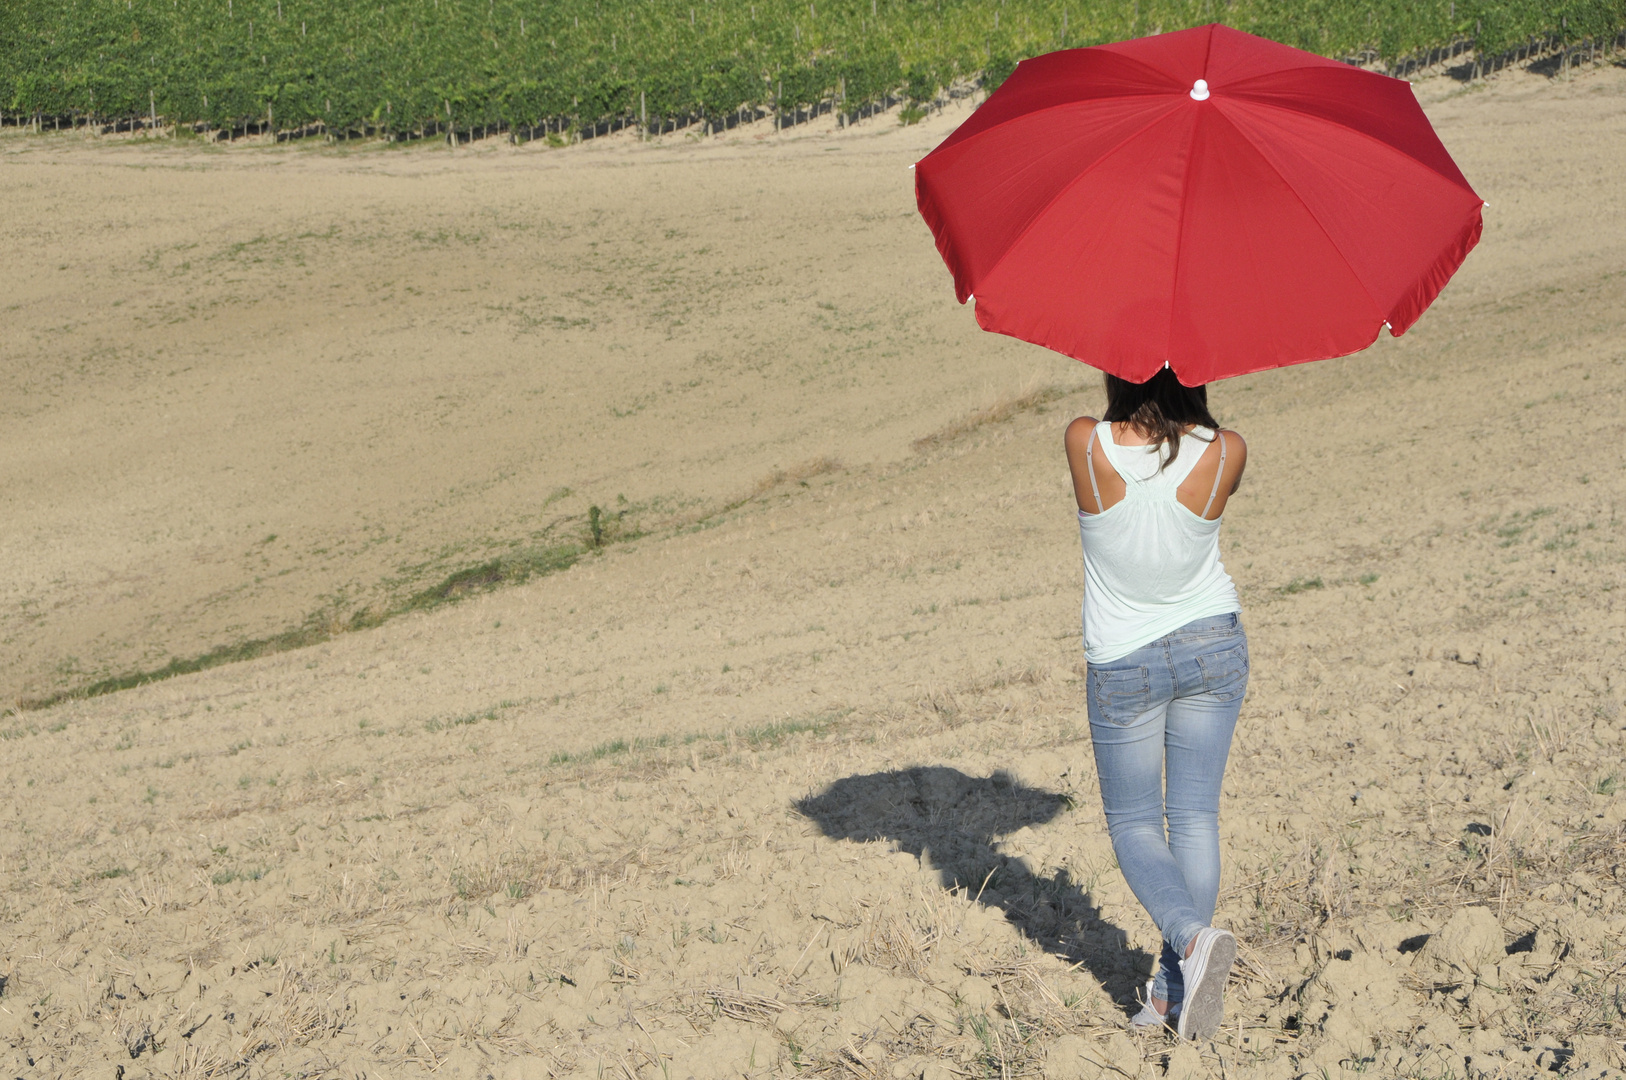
[(1169, 705)]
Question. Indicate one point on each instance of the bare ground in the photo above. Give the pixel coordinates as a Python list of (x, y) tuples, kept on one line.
[(797, 781)]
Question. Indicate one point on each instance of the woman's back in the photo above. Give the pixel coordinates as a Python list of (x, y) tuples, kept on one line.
[(1151, 558)]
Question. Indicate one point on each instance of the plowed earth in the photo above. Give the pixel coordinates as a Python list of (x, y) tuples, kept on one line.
[(790, 775)]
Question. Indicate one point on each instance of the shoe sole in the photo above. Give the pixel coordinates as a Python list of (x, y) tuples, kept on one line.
[(1204, 1004)]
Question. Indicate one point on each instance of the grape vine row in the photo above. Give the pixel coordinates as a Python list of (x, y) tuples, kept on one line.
[(411, 67)]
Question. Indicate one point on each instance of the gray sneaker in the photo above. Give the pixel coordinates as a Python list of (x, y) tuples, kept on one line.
[(1205, 972)]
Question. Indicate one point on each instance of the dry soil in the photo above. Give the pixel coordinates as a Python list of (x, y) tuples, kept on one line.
[(791, 774)]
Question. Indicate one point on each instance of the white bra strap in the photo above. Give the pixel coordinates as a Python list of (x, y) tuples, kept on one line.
[(1217, 474), (1089, 466)]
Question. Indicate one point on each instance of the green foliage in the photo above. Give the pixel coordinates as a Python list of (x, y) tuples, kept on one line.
[(1499, 25), (997, 70), (512, 569), (410, 66)]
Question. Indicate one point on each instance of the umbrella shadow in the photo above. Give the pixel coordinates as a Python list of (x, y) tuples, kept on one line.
[(954, 819)]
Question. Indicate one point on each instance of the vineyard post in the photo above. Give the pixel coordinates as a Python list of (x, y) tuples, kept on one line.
[(152, 110), (643, 118)]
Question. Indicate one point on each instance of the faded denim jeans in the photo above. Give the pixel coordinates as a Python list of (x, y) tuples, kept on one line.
[(1169, 707)]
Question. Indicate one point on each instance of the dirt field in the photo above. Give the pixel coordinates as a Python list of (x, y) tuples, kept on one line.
[(791, 775)]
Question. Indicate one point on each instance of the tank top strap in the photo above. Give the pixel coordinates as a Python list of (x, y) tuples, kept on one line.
[(1110, 450), (1193, 444)]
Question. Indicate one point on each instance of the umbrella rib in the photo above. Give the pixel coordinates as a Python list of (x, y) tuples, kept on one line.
[(1065, 188), (1312, 214), (1180, 249), (1137, 61), (975, 135), (1180, 226), (1171, 76), (1303, 67), (1257, 103)]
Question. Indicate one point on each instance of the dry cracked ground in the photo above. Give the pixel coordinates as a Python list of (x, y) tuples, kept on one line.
[(785, 771)]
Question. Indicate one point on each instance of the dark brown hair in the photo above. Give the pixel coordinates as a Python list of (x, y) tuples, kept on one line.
[(1159, 408)]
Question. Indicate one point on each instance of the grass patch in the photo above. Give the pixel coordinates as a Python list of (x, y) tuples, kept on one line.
[(434, 723), (608, 749), (309, 634), (509, 570), (598, 529), (226, 877), (1515, 528), (1303, 584), (773, 734)]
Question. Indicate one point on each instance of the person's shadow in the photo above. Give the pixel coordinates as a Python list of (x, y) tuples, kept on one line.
[(953, 819)]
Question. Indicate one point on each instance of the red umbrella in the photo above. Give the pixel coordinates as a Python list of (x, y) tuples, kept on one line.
[(1205, 199)]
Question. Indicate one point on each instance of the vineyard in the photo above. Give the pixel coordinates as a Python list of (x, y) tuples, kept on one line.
[(408, 68)]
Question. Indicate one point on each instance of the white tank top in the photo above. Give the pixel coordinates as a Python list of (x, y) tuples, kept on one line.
[(1150, 564)]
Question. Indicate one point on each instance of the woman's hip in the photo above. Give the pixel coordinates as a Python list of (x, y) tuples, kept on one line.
[(1206, 658)]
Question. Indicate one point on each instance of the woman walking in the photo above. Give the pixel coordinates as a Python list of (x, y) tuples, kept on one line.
[(1168, 665), (1208, 203)]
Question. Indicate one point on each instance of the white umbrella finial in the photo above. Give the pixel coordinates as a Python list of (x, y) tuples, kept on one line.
[(1199, 90)]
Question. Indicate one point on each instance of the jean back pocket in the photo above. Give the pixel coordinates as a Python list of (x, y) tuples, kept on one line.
[(1225, 671), (1121, 694)]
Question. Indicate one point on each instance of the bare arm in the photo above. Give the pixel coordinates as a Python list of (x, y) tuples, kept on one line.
[(1194, 493), (1079, 460), (1240, 455)]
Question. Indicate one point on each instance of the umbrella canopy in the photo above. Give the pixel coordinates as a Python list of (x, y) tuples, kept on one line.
[(1207, 200)]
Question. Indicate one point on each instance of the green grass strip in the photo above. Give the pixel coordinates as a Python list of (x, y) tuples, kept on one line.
[(496, 573)]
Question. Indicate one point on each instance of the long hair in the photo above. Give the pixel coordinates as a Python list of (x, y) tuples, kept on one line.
[(1159, 408)]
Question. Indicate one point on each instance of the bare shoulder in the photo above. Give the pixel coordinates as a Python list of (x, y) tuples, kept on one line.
[(1078, 432), (1236, 456)]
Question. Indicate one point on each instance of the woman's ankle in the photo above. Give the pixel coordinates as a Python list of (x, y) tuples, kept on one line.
[(1191, 943)]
